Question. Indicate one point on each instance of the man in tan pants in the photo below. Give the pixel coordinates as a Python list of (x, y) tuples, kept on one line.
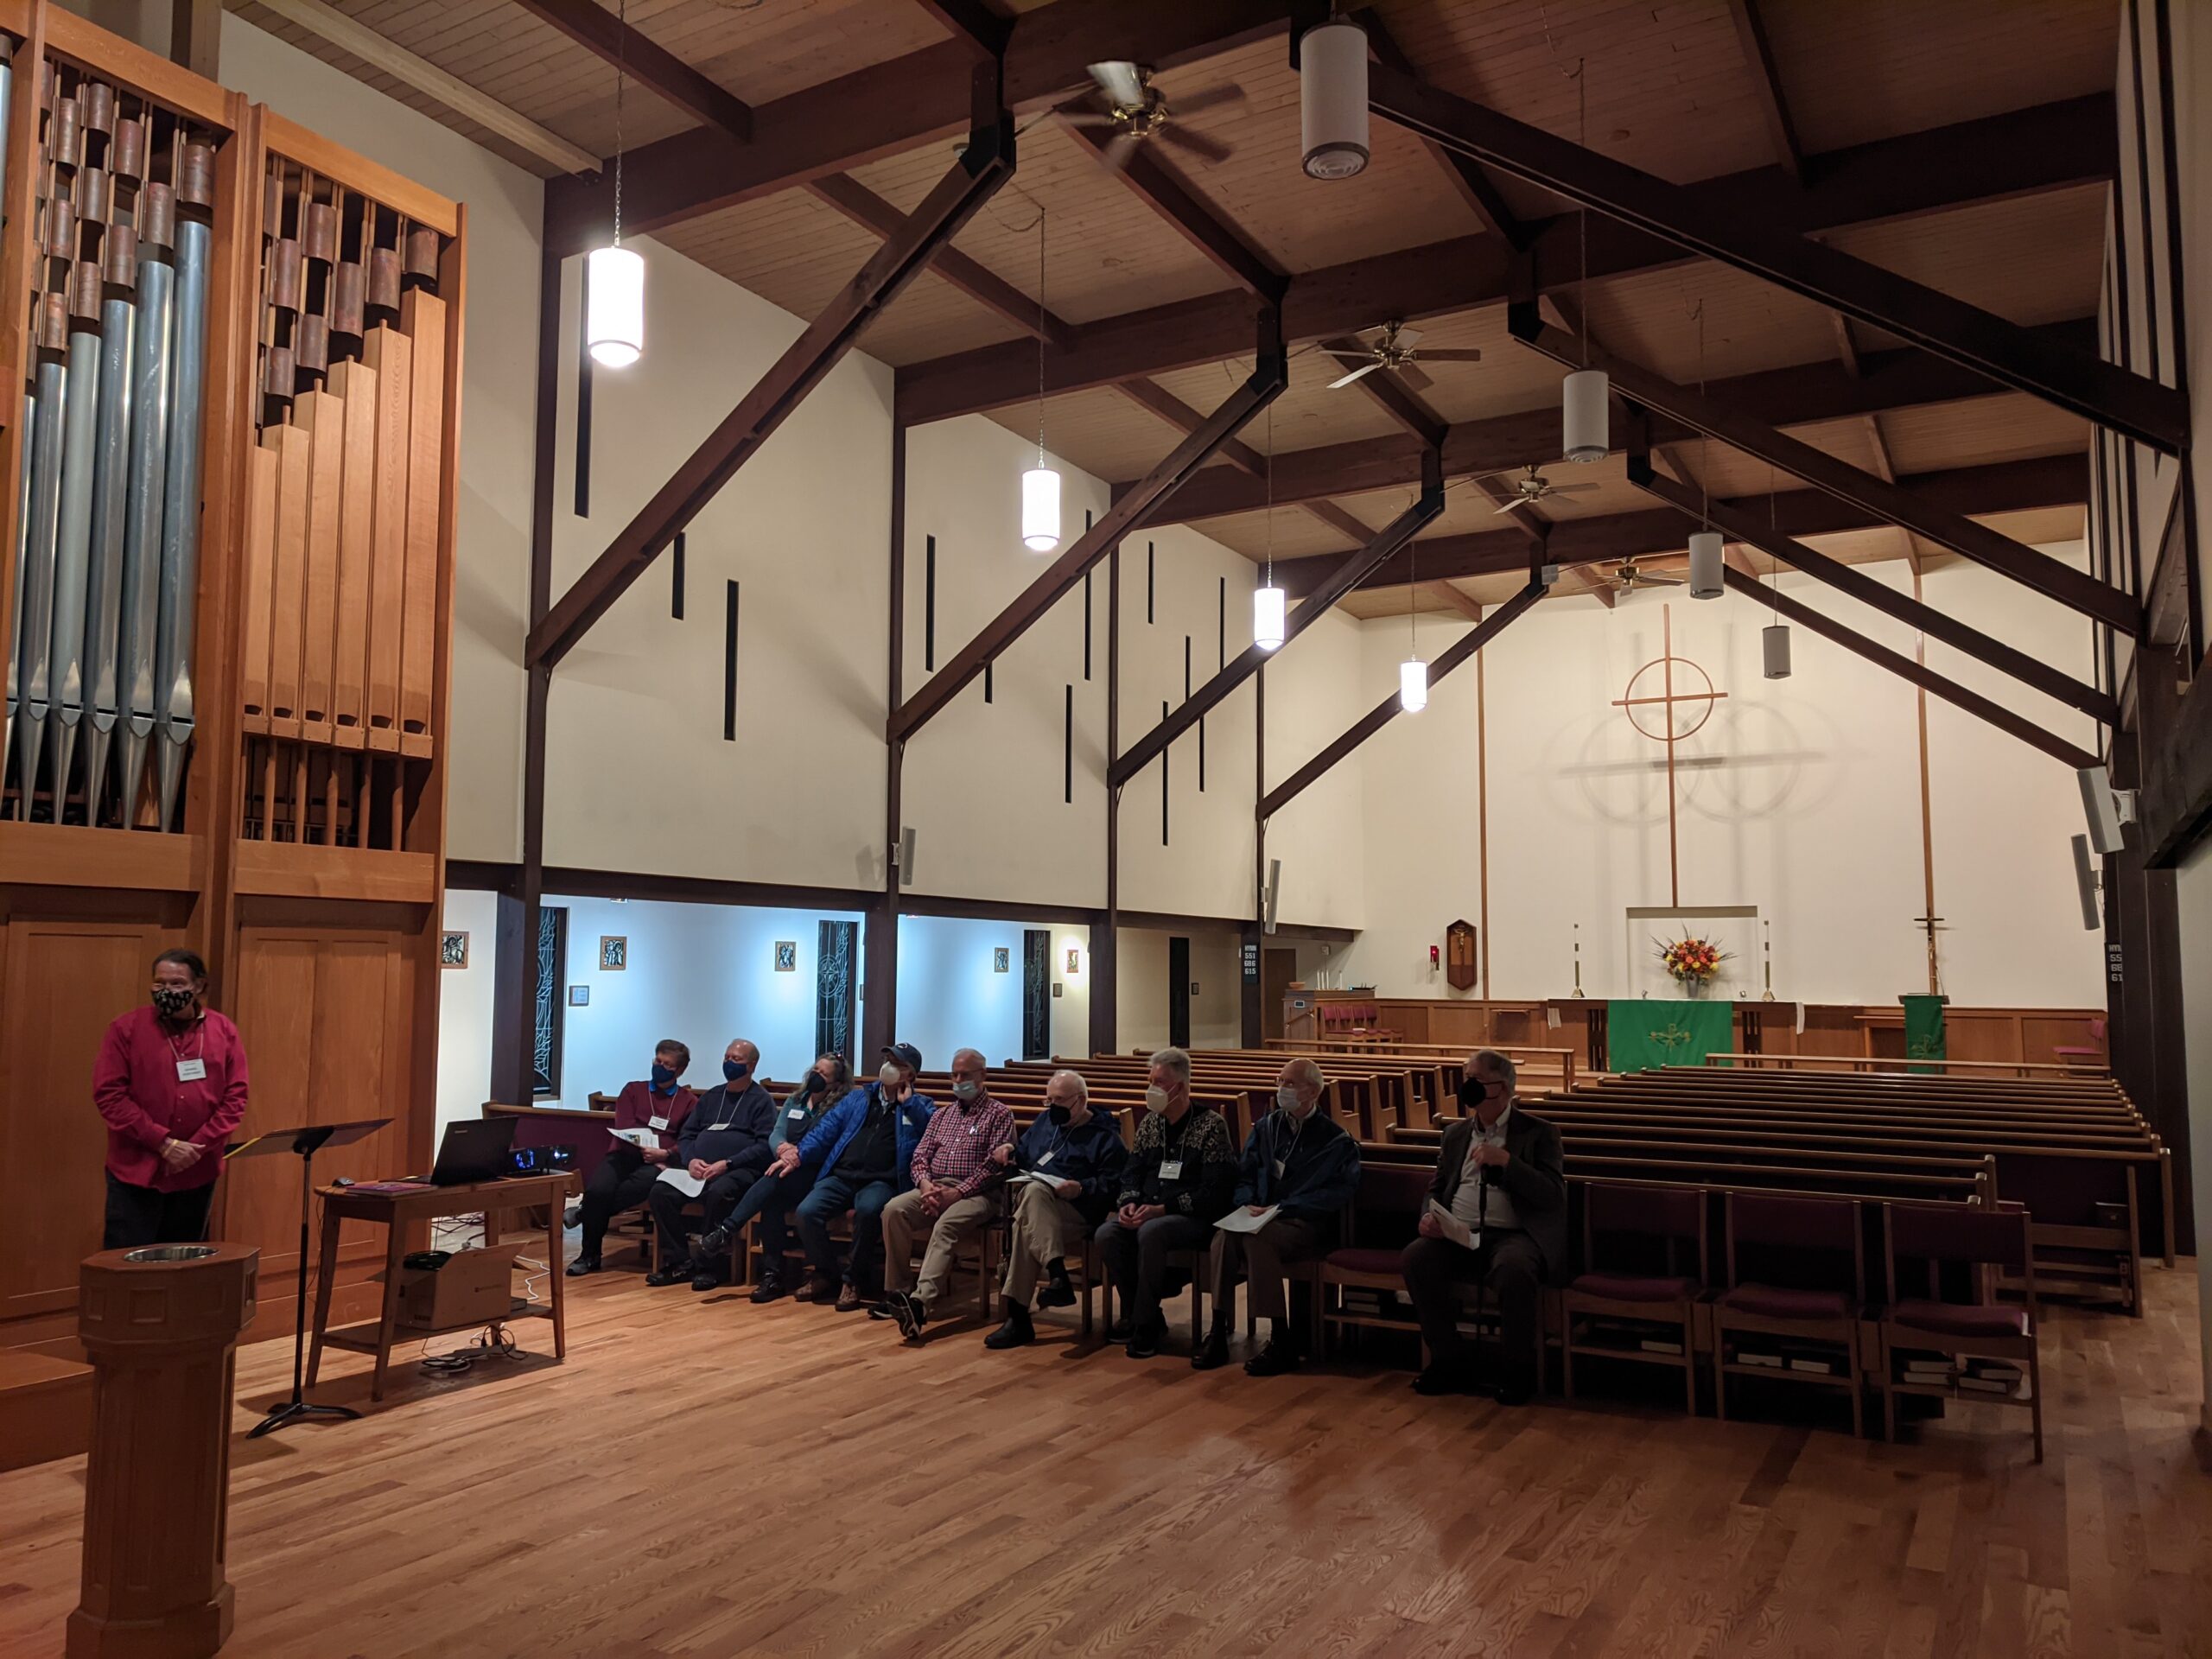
[(1065, 1173), (957, 1186)]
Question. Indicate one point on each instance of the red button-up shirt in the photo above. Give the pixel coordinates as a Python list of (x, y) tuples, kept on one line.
[(135, 1086), (956, 1147), (637, 1106)]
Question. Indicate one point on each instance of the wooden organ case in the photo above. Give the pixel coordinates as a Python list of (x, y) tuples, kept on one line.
[(227, 557)]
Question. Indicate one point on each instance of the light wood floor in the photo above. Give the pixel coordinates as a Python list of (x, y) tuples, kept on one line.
[(704, 1477)]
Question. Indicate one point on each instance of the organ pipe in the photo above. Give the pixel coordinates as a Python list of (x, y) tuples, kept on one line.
[(148, 465), (181, 501)]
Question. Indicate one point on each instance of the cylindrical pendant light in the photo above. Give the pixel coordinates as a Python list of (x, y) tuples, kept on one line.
[(1267, 617), (1040, 509), (615, 327), (1333, 98), (1413, 685), (1774, 640), (1706, 565), (1583, 396)]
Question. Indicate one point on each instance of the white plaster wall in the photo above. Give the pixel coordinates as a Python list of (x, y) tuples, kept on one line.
[(638, 774), (1317, 686), (465, 1008), (951, 996), (1800, 796), (2195, 900), (498, 401), (1142, 987)]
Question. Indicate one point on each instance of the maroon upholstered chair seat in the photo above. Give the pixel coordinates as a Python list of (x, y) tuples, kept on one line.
[(1779, 1302), (1956, 1319), (1358, 1259), (1633, 1287)]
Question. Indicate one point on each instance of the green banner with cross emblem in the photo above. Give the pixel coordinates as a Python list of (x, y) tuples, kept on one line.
[(1643, 1032)]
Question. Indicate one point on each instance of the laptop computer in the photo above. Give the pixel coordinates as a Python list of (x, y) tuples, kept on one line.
[(474, 1150)]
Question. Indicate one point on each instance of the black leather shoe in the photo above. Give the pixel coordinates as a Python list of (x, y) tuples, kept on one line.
[(1145, 1339), (660, 1276), (706, 1280), (1444, 1379), (582, 1265), (1014, 1332), (1119, 1331), (1213, 1352), (1058, 1292), (912, 1313), (770, 1288), (1273, 1360)]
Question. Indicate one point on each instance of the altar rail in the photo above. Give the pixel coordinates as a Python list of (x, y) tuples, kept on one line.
[(1883, 1063)]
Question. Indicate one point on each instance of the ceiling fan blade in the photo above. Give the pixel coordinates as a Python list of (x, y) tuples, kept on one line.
[(1451, 354), (1211, 99), (1087, 118), (1119, 150), (1350, 355), (1406, 337), (1122, 81), (1197, 144), (1659, 581), (1512, 473), (1353, 376), (1517, 501), (1412, 379), (1571, 489)]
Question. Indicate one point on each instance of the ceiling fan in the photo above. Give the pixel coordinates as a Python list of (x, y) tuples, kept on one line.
[(1393, 348), (1631, 578), (1126, 104), (1532, 486)]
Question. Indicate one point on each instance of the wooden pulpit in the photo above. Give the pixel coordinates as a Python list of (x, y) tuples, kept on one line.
[(161, 1328)]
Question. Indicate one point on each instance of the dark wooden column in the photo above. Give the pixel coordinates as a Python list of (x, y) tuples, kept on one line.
[(1106, 932), (879, 947)]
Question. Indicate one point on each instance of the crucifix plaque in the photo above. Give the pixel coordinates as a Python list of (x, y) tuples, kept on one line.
[(1680, 715)]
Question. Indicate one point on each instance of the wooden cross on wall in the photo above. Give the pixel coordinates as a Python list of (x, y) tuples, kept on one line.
[(1629, 702)]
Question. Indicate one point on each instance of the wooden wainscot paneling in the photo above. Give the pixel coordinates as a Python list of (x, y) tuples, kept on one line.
[(70, 856), (65, 978), (284, 870)]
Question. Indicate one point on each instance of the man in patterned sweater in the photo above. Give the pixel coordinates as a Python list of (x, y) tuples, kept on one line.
[(957, 1186), (1179, 1180)]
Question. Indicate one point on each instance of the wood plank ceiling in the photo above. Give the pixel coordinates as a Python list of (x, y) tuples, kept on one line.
[(1674, 89)]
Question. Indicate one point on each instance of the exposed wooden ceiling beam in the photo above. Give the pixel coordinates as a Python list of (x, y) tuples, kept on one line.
[(1349, 571), (1156, 399), (1460, 601), (1716, 418), (1159, 189), (976, 24), (893, 106), (1766, 81), (1339, 520), (2051, 147), (1131, 509), (1473, 186), (659, 71), (871, 211), (2117, 398), (1799, 395), (1905, 668), (1744, 528), (2006, 486), (966, 185), (359, 41)]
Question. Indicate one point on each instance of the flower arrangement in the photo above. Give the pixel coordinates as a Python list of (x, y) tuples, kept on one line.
[(1691, 960)]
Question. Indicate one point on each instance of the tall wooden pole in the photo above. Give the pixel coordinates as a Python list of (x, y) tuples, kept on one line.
[(1929, 918)]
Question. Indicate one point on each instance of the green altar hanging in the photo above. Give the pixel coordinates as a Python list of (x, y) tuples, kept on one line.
[(1923, 1029), (1641, 1032)]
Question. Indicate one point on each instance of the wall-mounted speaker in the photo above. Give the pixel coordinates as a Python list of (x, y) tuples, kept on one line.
[(1275, 893), (902, 856), (2085, 877), (2101, 807)]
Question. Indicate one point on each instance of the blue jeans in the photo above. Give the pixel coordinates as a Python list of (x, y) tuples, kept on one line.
[(772, 1198), (832, 1196)]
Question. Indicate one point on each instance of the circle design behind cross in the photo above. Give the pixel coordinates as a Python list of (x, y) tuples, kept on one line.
[(1630, 702)]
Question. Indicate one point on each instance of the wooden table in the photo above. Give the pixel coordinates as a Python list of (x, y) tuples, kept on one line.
[(394, 1212)]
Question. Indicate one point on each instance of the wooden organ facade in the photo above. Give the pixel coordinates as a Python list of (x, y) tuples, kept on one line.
[(226, 599)]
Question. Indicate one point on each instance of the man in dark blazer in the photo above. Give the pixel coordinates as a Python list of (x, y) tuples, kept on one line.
[(1501, 1189)]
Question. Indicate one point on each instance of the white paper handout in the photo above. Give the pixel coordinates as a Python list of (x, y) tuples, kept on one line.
[(644, 1140), (1242, 1220), (1052, 1183), (1454, 1229), (685, 1182)]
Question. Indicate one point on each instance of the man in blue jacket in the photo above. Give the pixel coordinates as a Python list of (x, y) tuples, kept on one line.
[(860, 1152), (1299, 1163), (1067, 1170), (725, 1146)]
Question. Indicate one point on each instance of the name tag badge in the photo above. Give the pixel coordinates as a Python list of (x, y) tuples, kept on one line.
[(656, 1123), (716, 1128), (1279, 1169), (1045, 1160), (1170, 1169), (797, 1114), (191, 1070)]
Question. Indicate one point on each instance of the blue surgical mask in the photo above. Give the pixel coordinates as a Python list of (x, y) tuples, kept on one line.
[(733, 1071), (663, 1076), (966, 1092)]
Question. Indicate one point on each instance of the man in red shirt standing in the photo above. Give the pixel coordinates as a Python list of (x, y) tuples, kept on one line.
[(171, 1082), (625, 1178)]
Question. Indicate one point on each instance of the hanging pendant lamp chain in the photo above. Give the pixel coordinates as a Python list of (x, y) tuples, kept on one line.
[(1040, 334), (1270, 581), (1582, 217), (621, 79)]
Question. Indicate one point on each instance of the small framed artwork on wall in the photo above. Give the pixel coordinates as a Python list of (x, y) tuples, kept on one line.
[(579, 997), (613, 952), (452, 950), (1000, 959), (786, 956), (1075, 960)]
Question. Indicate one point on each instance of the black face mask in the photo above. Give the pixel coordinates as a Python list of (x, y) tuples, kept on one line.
[(171, 1001), (663, 1077), (815, 1083), (733, 1071), (1472, 1093), (1058, 1114)]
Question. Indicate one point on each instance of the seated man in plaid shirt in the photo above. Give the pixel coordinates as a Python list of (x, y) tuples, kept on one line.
[(957, 1186)]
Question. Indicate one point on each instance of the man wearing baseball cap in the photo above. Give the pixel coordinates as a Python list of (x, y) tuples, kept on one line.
[(861, 1152)]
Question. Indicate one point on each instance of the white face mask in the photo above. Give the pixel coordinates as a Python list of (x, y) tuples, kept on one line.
[(1287, 1098), (1155, 1098), (889, 1075)]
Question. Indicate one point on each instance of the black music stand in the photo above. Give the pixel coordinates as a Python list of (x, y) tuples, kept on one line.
[(306, 1140)]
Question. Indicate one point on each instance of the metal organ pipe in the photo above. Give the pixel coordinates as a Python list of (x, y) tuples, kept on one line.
[(142, 532), (35, 618), (73, 531), (103, 588), (180, 506)]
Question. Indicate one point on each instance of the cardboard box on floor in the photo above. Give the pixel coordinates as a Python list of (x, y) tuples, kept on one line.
[(473, 1286)]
